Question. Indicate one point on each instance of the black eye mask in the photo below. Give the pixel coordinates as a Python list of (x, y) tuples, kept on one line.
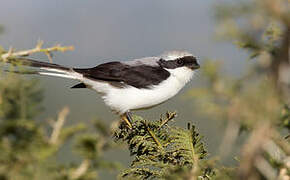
[(188, 61)]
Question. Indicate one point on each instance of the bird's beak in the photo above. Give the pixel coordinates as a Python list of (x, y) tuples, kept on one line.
[(194, 66)]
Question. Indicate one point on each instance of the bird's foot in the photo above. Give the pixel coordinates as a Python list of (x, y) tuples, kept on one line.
[(128, 119)]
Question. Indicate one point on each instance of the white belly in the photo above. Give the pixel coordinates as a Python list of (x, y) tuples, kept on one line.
[(131, 98)]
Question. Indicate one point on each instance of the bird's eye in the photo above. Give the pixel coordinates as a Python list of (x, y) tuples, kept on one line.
[(179, 61)]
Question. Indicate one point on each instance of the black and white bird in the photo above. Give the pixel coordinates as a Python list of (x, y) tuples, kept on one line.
[(130, 85)]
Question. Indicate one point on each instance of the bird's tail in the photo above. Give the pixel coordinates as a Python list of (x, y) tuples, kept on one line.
[(44, 68)]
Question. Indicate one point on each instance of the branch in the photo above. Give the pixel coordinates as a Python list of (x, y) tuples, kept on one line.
[(81, 170), (57, 125), (38, 48), (229, 139), (154, 138), (169, 116)]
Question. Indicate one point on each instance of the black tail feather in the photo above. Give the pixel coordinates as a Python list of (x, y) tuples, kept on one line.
[(39, 64)]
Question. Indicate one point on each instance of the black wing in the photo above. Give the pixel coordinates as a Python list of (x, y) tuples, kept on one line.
[(142, 76)]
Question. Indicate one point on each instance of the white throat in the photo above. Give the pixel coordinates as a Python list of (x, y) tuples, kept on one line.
[(182, 74)]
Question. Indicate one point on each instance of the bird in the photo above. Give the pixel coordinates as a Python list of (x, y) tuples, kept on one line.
[(127, 86)]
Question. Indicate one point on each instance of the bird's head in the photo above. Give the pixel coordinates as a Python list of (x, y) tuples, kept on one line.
[(180, 64), (178, 59)]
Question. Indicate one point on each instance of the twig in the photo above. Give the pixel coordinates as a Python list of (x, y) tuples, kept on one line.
[(153, 136), (81, 169), (252, 150), (265, 168), (169, 116), (230, 136), (38, 48), (194, 171), (57, 125)]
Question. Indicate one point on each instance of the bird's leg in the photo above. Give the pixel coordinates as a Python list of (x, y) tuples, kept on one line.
[(127, 118)]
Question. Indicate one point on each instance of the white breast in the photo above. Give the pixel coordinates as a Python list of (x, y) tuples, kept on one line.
[(131, 98)]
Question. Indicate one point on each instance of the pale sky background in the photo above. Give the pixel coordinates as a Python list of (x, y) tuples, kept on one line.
[(104, 30)]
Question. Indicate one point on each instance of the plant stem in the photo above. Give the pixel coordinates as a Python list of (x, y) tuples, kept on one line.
[(154, 138)]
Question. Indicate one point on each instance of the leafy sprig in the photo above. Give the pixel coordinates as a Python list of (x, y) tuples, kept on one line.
[(159, 148)]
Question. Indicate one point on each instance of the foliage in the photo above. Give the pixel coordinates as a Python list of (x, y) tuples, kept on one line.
[(257, 25), (262, 27), (19, 98), (162, 151), (247, 105), (29, 149), (257, 102)]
